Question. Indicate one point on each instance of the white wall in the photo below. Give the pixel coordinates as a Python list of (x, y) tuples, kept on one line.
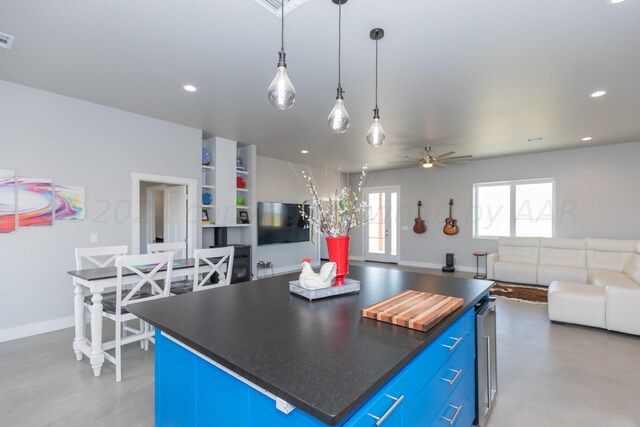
[(73, 142), (597, 195), (280, 181)]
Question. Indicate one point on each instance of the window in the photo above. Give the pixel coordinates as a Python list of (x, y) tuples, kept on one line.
[(514, 208)]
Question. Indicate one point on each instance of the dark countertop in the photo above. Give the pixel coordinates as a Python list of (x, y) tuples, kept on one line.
[(322, 356)]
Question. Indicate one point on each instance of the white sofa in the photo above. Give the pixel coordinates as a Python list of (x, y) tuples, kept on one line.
[(539, 261), (592, 282)]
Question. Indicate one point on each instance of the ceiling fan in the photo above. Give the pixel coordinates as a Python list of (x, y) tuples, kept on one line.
[(427, 160)]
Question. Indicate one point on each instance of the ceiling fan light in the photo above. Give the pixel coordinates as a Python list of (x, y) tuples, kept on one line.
[(376, 135), (427, 165)]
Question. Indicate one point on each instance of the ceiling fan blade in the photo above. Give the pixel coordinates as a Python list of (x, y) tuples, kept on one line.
[(457, 158), (440, 164), (446, 154), (407, 157)]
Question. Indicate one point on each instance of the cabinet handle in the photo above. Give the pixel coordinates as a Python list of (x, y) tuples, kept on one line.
[(380, 420), (455, 416), (451, 347), (451, 381)]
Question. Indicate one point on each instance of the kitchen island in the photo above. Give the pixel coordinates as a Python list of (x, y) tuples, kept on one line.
[(252, 354)]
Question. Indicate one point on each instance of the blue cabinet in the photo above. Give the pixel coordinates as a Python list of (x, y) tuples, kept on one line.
[(437, 388)]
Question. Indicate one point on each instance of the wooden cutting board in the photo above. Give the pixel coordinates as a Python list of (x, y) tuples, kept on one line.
[(412, 309)]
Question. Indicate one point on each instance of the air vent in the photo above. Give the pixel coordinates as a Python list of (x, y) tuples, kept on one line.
[(6, 41), (274, 6)]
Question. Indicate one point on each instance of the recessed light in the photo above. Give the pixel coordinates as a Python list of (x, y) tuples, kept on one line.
[(587, 138), (616, 1), (190, 88), (598, 94), (305, 151)]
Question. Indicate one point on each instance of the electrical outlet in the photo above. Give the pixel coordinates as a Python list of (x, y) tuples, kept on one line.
[(94, 238)]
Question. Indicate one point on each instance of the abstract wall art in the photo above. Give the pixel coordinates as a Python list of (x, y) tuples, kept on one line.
[(69, 203), (35, 202), (7, 201)]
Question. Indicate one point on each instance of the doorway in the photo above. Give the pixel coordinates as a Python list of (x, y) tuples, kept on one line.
[(163, 213), (382, 230), (164, 209)]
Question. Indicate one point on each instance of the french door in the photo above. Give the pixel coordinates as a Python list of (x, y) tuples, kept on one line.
[(381, 231)]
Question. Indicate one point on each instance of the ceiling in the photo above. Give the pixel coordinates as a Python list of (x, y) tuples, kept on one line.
[(475, 77)]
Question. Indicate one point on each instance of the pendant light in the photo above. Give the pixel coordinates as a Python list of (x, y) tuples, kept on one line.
[(376, 136), (339, 119), (281, 92)]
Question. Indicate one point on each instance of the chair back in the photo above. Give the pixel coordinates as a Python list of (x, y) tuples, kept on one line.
[(99, 257), (151, 264), (179, 249), (216, 258)]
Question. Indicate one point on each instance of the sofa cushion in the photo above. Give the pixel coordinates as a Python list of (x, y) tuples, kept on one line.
[(519, 250), (550, 273), (606, 278), (608, 254), (632, 268), (577, 303), (514, 272), (563, 252)]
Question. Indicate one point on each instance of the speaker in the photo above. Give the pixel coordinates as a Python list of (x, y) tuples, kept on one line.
[(450, 260)]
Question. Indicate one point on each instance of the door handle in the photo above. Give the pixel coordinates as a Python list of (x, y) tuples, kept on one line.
[(383, 418)]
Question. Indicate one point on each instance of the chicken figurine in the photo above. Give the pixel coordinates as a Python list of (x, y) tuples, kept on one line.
[(312, 280)]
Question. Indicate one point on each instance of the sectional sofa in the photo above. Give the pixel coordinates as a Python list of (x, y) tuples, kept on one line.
[(593, 282)]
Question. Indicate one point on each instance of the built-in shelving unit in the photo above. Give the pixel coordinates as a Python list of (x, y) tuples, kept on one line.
[(220, 179)]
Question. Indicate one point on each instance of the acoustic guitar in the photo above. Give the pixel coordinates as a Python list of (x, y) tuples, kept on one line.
[(419, 227), (450, 224)]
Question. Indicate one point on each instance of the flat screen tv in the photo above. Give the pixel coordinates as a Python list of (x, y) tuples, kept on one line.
[(281, 223)]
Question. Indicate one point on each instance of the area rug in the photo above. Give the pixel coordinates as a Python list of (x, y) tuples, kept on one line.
[(530, 294)]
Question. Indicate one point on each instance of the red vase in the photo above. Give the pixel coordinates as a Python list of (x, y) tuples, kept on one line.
[(339, 253)]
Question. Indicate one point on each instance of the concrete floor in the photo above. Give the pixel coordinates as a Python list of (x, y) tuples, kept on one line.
[(549, 375)]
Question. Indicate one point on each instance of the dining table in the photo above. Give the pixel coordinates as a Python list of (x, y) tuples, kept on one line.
[(96, 281)]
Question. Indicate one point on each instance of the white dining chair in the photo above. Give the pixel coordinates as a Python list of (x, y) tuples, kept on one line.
[(217, 259), (145, 267), (179, 249), (96, 257)]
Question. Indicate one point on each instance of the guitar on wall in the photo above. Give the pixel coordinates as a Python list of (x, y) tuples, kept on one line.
[(419, 227), (450, 224)]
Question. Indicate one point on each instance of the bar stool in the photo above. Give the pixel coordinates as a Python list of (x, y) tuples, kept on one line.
[(479, 255)]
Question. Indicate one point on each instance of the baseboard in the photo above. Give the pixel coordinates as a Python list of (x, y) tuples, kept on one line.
[(356, 258), (10, 334), (435, 266), (292, 268)]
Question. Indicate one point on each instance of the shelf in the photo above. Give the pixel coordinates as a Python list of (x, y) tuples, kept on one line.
[(211, 168), (208, 206), (209, 187), (242, 207), (243, 190), (227, 225), (242, 172)]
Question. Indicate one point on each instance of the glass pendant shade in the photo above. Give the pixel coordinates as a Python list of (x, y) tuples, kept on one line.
[(281, 92), (339, 120), (376, 135)]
